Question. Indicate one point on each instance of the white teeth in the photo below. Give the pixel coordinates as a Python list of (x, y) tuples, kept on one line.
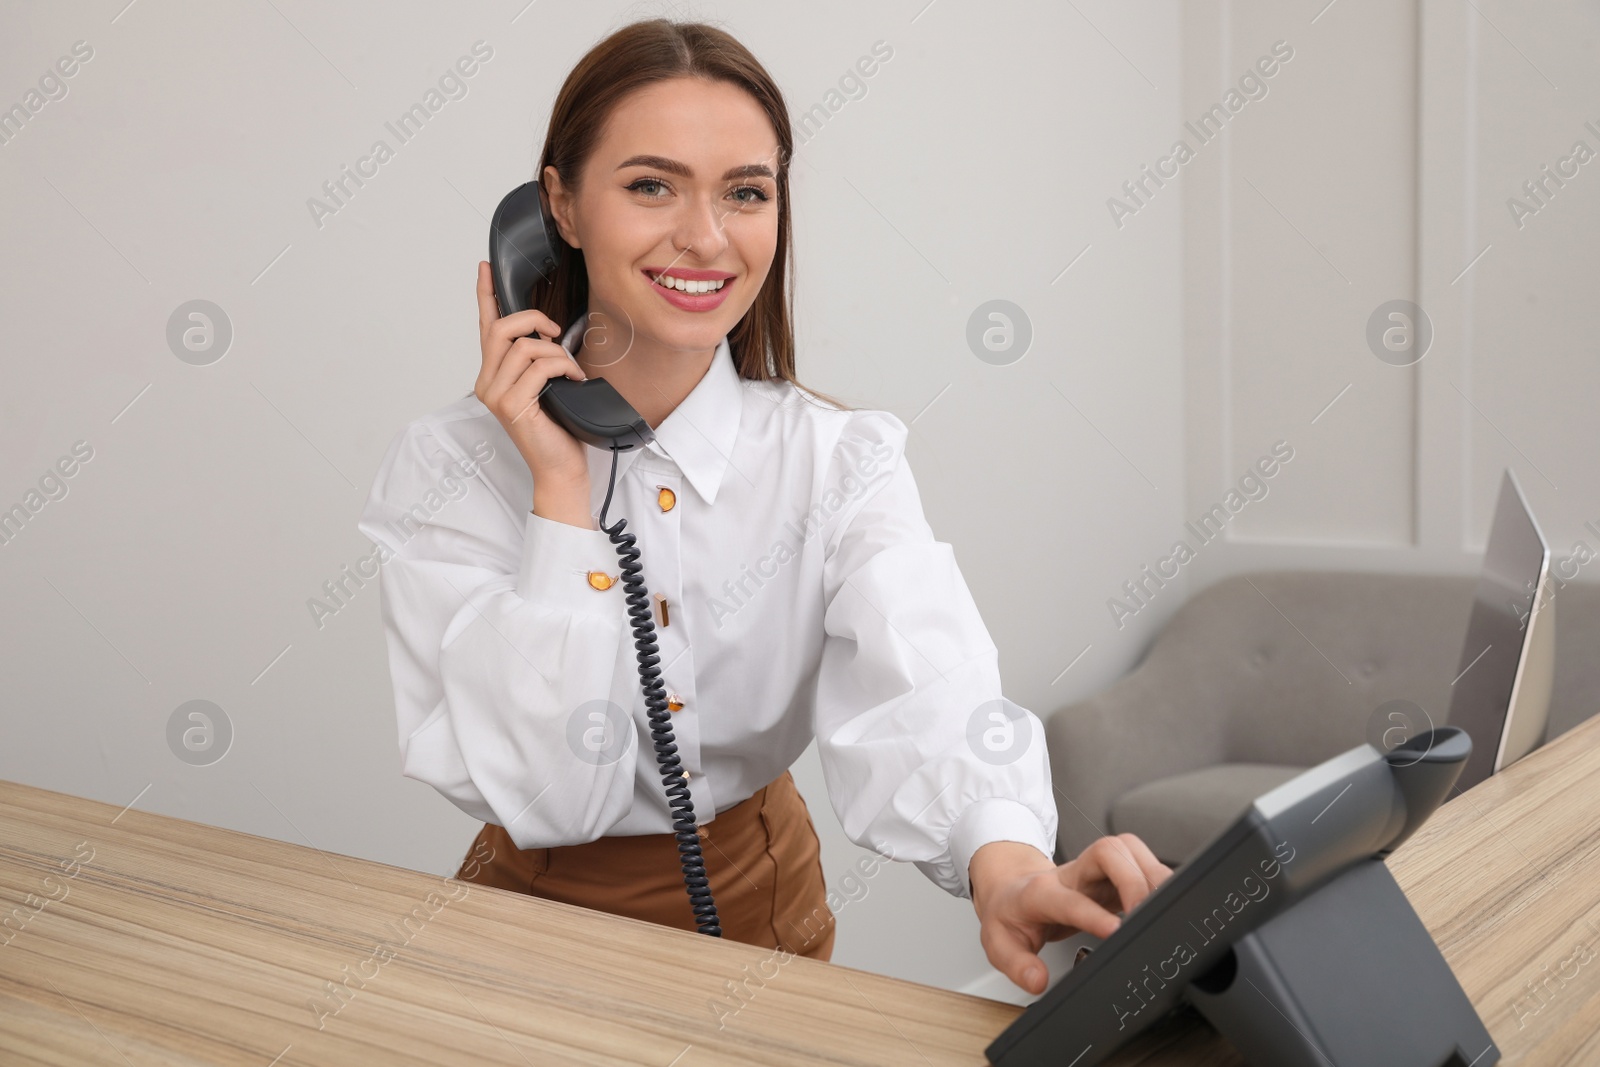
[(687, 286)]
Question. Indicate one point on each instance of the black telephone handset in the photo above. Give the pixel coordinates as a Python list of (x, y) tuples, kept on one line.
[(524, 245)]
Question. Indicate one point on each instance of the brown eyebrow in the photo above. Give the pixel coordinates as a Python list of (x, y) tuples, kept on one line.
[(672, 166)]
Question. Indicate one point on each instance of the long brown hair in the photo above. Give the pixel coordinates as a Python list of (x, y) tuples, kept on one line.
[(633, 57)]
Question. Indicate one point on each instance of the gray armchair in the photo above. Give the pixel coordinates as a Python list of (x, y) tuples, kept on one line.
[(1264, 674)]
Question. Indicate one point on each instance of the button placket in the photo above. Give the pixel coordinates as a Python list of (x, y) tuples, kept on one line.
[(660, 551)]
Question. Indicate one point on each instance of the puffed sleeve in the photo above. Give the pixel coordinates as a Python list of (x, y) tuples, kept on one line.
[(924, 758), (501, 654)]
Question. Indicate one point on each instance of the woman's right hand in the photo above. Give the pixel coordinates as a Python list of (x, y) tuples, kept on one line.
[(515, 369)]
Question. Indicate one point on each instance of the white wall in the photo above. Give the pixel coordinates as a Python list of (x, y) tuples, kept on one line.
[(1379, 168), (220, 498)]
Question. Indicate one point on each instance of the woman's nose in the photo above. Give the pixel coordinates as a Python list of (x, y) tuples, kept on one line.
[(701, 232)]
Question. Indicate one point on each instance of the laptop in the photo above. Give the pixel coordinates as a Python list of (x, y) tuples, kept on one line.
[(1501, 692)]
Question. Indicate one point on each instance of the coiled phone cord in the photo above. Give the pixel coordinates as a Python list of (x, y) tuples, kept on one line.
[(644, 641)]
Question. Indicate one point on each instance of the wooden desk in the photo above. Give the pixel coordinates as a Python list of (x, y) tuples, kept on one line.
[(152, 940)]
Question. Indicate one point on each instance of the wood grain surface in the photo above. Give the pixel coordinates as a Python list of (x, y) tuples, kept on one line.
[(132, 938)]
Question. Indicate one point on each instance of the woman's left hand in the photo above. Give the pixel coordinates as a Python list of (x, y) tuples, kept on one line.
[(1023, 900)]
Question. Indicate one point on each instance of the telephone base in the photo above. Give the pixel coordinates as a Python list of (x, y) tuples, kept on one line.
[(1348, 977)]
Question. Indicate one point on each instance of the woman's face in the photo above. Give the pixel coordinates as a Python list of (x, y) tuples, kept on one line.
[(681, 184)]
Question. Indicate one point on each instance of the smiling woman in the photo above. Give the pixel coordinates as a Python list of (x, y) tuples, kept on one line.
[(706, 200), (517, 693)]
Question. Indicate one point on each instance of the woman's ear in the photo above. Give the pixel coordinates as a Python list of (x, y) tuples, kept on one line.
[(560, 206)]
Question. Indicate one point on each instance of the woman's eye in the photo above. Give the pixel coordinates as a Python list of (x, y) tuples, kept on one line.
[(654, 189)]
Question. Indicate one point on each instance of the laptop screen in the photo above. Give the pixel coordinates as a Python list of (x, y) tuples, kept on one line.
[(1501, 692)]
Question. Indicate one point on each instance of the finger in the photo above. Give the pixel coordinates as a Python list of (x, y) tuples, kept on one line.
[(1045, 903), (508, 328), (494, 350), (1052, 900), (539, 358), (522, 382), (488, 306), (1152, 872), (516, 386), (1155, 872), (1103, 893), (1113, 858), (1015, 957)]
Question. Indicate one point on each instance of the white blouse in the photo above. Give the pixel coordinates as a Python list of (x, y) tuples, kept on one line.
[(804, 596)]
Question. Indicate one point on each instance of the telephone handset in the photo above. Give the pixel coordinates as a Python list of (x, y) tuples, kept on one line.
[(524, 245)]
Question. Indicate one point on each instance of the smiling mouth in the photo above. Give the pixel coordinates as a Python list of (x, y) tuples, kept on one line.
[(692, 288)]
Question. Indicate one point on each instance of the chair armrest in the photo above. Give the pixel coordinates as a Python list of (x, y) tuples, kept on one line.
[(1168, 716)]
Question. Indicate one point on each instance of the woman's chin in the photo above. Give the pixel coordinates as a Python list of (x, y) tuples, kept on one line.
[(685, 330)]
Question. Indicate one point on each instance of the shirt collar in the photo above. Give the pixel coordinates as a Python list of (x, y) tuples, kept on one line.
[(698, 435)]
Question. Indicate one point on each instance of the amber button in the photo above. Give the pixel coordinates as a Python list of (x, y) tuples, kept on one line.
[(665, 497), (601, 580), (685, 772), (661, 610), (673, 703)]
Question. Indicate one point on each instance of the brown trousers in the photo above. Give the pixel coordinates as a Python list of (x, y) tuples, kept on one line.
[(762, 858)]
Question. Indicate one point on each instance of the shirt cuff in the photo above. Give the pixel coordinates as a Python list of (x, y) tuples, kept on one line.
[(556, 560), (994, 819)]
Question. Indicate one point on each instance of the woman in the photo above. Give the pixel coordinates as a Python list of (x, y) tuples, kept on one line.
[(798, 591)]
